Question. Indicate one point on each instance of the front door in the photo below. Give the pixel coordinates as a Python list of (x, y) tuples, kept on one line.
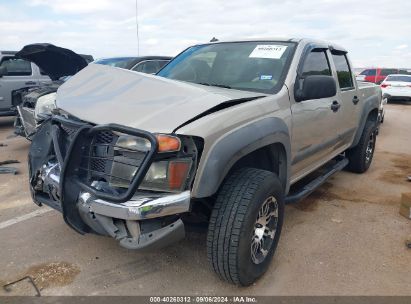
[(314, 132)]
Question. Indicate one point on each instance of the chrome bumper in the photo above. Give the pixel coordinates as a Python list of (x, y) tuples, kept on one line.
[(140, 207)]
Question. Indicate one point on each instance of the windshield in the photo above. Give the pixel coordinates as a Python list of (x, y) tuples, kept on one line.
[(399, 78), (250, 66), (121, 62)]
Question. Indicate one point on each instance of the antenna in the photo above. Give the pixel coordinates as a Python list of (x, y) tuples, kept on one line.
[(138, 38)]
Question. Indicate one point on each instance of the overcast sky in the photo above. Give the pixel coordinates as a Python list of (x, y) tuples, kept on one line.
[(376, 32)]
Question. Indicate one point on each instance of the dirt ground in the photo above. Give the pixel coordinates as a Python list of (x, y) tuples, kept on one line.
[(347, 238)]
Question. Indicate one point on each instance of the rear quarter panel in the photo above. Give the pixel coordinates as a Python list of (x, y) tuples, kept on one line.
[(370, 99)]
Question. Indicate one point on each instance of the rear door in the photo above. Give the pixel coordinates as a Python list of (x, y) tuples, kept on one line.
[(314, 130), (348, 98), (19, 74)]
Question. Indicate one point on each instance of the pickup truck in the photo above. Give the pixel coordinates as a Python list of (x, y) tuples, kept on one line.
[(16, 73), (225, 134)]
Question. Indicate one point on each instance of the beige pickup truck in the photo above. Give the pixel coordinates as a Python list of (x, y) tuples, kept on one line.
[(225, 134)]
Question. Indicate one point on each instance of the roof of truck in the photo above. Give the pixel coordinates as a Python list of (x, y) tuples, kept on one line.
[(320, 43)]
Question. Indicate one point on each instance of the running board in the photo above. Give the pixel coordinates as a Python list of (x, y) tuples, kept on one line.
[(314, 184)]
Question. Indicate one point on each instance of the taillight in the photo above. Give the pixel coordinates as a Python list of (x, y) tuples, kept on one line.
[(384, 85)]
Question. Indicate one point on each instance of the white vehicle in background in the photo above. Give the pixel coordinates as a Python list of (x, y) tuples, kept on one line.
[(397, 87)]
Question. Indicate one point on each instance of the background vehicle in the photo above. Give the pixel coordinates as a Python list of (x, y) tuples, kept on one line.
[(225, 134), (377, 75), (55, 63), (16, 73), (397, 87), (146, 64)]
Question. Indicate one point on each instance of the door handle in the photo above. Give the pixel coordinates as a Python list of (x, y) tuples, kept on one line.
[(335, 106), (30, 82), (355, 100)]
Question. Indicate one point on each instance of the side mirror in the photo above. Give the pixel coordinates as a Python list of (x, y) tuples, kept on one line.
[(315, 87), (3, 70)]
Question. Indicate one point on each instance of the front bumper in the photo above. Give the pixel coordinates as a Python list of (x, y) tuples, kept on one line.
[(4, 113), (125, 222), (139, 208)]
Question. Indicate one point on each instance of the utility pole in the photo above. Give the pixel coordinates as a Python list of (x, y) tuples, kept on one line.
[(138, 38)]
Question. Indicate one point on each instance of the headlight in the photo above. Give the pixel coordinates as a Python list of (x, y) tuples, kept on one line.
[(45, 104), (168, 175), (166, 143), (132, 143)]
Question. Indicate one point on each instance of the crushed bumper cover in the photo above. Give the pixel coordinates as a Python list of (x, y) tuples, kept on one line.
[(133, 212), (125, 222), (123, 226)]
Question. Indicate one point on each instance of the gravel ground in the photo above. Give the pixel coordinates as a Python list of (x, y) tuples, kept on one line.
[(347, 238)]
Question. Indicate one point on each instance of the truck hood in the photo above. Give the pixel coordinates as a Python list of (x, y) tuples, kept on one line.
[(101, 94), (55, 61)]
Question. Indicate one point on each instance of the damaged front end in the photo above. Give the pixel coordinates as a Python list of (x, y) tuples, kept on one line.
[(113, 180)]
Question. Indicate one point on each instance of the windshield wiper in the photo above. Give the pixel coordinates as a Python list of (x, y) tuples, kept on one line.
[(215, 85), (220, 85)]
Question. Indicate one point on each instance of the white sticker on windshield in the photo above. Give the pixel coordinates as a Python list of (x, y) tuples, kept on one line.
[(266, 77), (268, 51)]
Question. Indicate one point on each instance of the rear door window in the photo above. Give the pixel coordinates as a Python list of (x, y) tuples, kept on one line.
[(316, 63), (16, 66), (148, 67), (162, 63), (343, 71), (386, 72), (369, 72)]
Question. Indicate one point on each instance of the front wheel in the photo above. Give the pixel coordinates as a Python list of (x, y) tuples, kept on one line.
[(360, 157), (245, 225)]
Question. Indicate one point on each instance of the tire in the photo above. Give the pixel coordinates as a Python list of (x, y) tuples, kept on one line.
[(360, 157), (233, 225)]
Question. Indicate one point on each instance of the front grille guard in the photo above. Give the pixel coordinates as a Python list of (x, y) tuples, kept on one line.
[(71, 160)]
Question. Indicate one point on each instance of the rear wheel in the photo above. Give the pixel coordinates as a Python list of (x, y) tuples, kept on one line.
[(245, 225), (360, 157)]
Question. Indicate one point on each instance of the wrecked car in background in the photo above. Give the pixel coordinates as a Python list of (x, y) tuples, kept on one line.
[(16, 73), (55, 62), (221, 136), (33, 103)]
